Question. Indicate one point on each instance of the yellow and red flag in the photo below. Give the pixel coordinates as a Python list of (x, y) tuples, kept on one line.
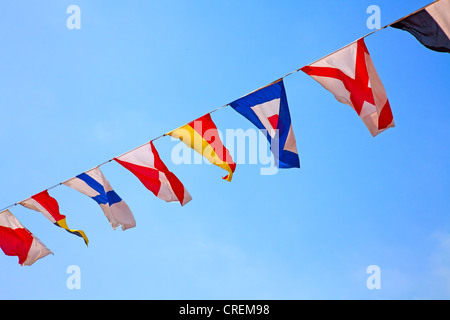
[(202, 136)]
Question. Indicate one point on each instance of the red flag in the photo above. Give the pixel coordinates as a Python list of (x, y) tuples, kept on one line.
[(15, 240), (351, 76), (145, 163), (48, 206)]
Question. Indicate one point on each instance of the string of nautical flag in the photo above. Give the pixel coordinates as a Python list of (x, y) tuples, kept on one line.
[(348, 73)]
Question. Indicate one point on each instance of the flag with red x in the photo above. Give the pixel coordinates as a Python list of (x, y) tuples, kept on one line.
[(350, 75)]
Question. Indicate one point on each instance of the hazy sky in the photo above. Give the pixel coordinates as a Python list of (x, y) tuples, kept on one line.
[(72, 99)]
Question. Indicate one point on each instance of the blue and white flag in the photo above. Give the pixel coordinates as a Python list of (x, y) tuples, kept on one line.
[(94, 184), (267, 108), (430, 26)]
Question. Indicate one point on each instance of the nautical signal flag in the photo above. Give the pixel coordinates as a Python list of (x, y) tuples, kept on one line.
[(144, 162), (430, 26), (48, 206), (202, 136), (94, 184), (351, 76), (267, 108), (15, 240)]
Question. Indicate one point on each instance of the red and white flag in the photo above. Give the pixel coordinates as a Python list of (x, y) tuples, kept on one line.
[(15, 240), (145, 163), (49, 207), (351, 76)]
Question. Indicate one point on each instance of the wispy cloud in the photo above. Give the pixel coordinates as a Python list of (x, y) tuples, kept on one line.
[(117, 128), (440, 259)]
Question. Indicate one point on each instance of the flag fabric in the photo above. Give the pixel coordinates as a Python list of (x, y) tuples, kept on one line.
[(94, 184), (430, 26), (48, 206), (144, 162), (267, 108), (351, 76), (16, 240), (202, 136)]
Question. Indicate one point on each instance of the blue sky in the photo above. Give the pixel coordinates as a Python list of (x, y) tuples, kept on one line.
[(72, 99)]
